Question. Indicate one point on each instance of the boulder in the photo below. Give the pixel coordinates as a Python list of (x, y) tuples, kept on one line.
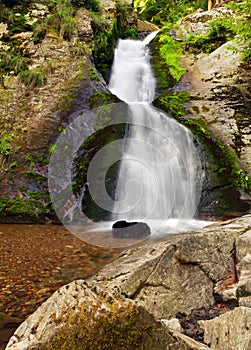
[(198, 22), (124, 229), (81, 317), (230, 331), (181, 273)]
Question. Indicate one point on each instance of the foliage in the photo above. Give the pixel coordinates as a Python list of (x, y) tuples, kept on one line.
[(16, 23), (67, 28), (39, 34), (92, 5), (33, 77), (243, 27), (161, 11), (106, 35), (5, 139), (61, 19), (172, 103), (170, 50), (13, 61), (11, 3), (220, 31)]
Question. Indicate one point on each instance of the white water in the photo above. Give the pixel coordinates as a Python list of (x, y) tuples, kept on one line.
[(159, 176)]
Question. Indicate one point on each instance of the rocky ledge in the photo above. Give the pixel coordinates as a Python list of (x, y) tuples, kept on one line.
[(187, 291)]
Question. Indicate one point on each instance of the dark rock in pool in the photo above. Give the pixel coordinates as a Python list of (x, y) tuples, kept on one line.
[(124, 229)]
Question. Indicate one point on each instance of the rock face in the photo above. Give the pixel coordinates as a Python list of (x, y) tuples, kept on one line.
[(124, 229), (219, 99), (219, 87), (219, 84), (32, 117), (205, 271)]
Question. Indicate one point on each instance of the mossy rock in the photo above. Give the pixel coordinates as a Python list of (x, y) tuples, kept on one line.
[(109, 323), (25, 210), (162, 73), (101, 98), (108, 176)]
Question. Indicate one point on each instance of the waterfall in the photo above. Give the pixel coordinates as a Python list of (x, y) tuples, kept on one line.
[(159, 175)]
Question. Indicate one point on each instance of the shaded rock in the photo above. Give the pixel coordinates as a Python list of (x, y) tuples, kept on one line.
[(124, 229), (243, 268), (190, 344), (230, 331), (8, 324)]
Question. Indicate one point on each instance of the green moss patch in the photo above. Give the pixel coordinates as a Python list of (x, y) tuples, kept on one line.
[(173, 103), (121, 328), (100, 99)]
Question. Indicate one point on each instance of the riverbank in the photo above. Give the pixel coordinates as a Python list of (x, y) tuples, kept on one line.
[(36, 260)]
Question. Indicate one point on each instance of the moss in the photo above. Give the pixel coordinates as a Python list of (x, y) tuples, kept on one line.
[(101, 99), (223, 161), (123, 327), (98, 140), (172, 103), (21, 208), (93, 74), (164, 78)]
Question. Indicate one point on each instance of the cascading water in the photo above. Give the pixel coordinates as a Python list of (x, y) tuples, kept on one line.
[(159, 176)]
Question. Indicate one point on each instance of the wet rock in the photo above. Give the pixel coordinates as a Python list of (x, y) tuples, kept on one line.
[(124, 229), (229, 331)]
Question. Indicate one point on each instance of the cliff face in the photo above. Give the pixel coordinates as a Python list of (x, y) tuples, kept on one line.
[(48, 77), (214, 98)]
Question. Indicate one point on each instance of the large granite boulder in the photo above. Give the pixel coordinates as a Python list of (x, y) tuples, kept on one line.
[(182, 276)]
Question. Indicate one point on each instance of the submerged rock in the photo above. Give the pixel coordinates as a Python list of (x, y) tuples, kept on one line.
[(124, 229)]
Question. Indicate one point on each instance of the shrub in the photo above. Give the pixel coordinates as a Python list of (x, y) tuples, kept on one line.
[(67, 28), (33, 77), (5, 144), (12, 61), (92, 5)]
